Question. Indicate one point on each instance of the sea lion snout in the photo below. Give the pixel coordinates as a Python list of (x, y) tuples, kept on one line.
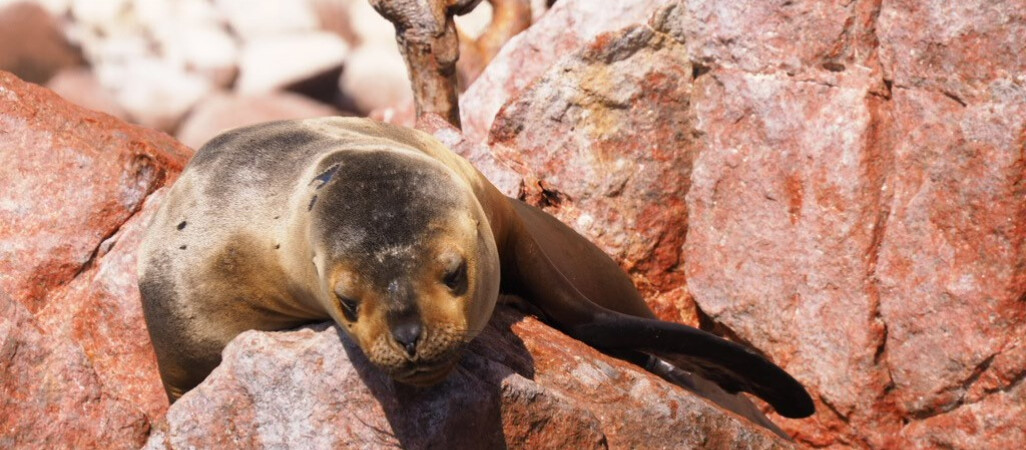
[(406, 332)]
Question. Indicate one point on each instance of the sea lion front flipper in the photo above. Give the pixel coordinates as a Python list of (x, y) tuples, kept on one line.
[(587, 296)]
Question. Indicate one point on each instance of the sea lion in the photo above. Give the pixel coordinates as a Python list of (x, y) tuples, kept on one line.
[(405, 246)]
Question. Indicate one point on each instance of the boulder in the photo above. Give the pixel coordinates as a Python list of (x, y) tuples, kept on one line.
[(562, 30), (604, 141), (77, 367), (851, 181), (32, 44), (270, 63), (521, 384), (73, 178), (223, 111)]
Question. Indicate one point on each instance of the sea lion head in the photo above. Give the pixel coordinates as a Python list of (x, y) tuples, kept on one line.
[(406, 259)]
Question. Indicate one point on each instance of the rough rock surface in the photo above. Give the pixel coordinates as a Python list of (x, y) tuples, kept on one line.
[(71, 178), (77, 367), (564, 28), (604, 141), (854, 192), (50, 396), (520, 385), (850, 199)]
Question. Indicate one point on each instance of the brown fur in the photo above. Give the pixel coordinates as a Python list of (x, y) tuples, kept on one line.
[(283, 223)]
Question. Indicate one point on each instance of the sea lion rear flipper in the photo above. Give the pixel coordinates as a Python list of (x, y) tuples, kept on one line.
[(733, 366), (587, 296)]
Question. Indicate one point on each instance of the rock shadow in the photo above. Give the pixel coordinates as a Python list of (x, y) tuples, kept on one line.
[(464, 410)]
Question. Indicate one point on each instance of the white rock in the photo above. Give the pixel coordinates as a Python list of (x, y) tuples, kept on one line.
[(153, 92), (253, 19), (375, 76), (207, 50), (370, 28), (270, 63), (476, 22), (333, 16), (222, 111), (172, 13)]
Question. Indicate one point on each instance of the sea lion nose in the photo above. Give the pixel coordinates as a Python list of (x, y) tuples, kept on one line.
[(407, 333)]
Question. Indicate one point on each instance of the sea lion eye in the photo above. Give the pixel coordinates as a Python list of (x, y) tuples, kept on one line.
[(350, 308), (456, 279)]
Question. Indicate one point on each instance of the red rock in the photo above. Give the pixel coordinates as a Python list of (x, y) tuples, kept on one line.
[(565, 28), (221, 112), (952, 287), (50, 396), (784, 213), (521, 385), (72, 177), (854, 196), (971, 51), (791, 36), (101, 311), (72, 221), (32, 44), (603, 141)]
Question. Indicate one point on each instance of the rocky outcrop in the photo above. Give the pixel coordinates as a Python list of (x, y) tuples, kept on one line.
[(565, 28), (852, 181), (72, 177), (76, 367), (840, 186), (520, 385)]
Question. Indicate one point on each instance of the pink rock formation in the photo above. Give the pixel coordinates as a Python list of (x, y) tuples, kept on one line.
[(520, 385), (50, 396), (78, 370), (71, 178), (564, 28), (853, 185), (840, 185), (603, 139)]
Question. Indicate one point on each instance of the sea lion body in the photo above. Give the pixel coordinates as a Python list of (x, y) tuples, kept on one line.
[(402, 243)]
